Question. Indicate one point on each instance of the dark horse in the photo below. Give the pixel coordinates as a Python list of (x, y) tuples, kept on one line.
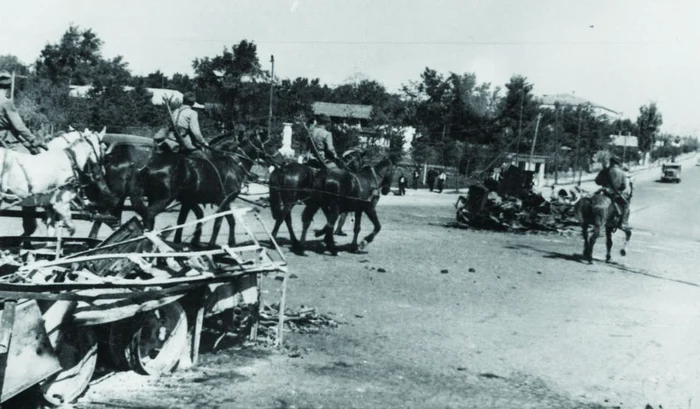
[(338, 190), (293, 183), (214, 178), (599, 211)]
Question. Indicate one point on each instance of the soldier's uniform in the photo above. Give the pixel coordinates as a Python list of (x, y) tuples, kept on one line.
[(186, 122), (322, 140), (616, 184), (11, 121)]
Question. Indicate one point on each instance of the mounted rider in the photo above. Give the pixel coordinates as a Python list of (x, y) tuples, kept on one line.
[(616, 184), (183, 134), (11, 121), (321, 149)]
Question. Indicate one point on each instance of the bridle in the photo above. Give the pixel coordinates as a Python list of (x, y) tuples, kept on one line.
[(78, 172)]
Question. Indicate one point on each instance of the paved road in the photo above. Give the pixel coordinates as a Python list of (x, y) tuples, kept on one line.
[(466, 318)]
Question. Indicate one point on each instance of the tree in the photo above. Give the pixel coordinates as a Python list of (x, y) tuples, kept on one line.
[(648, 122), (11, 63), (518, 109)]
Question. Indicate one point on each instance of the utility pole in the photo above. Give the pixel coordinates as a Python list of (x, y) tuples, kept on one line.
[(578, 143), (520, 120), (272, 85), (12, 87), (556, 143), (534, 140)]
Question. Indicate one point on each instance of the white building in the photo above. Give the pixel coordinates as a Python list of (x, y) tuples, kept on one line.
[(81, 91)]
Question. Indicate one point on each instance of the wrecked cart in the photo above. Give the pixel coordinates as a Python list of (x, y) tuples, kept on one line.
[(136, 295)]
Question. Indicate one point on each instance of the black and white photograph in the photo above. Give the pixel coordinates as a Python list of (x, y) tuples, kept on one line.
[(207, 204)]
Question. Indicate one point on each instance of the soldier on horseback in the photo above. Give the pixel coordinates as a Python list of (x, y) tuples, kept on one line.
[(321, 144), (184, 129), (616, 184), (11, 121)]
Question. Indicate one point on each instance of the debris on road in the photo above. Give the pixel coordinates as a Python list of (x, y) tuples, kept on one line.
[(305, 320), (511, 205)]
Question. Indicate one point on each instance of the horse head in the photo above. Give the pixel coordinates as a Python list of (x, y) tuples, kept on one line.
[(385, 172), (86, 147), (354, 159), (255, 149)]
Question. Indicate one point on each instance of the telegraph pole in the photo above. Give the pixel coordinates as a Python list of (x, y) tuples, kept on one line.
[(272, 85)]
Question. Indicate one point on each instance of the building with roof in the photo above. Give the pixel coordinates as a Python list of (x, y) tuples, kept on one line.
[(351, 114)]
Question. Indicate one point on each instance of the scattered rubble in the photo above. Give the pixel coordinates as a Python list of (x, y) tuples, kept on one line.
[(515, 207), (305, 320)]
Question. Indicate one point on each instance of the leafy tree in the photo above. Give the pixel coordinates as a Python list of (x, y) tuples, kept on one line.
[(73, 60), (11, 63), (648, 122)]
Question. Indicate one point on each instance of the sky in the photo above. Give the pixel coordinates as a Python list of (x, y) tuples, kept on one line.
[(617, 53)]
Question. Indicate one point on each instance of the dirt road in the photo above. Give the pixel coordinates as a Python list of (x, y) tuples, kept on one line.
[(463, 318)]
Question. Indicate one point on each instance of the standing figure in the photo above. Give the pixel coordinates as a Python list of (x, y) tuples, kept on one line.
[(431, 178), (442, 178), (402, 185), (416, 176), (11, 121)]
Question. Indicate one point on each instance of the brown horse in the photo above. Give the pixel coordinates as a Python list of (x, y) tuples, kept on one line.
[(599, 211), (293, 183), (214, 178), (338, 190)]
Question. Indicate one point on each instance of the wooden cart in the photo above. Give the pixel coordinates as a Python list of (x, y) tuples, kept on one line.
[(146, 297)]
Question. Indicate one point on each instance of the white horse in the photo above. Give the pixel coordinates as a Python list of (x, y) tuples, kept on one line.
[(47, 175)]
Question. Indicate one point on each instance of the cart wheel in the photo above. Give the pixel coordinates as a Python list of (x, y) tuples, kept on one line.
[(157, 345), (76, 349)]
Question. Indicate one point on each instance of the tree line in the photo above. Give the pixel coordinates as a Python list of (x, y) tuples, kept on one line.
[(459, 121)]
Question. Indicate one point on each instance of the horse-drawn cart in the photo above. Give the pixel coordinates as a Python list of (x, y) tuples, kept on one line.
[(139, 298)]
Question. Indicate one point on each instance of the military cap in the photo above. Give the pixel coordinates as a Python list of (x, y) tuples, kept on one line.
[(5, 79)]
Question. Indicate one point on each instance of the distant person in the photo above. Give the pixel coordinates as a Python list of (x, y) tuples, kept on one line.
[(442, 178), (11, 121), (322, 140), (185, 121), (615, 182), (402, 185), (431, 177), (416, 176)]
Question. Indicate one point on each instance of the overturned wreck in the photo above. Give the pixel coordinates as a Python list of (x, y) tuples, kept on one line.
[(511, 204)]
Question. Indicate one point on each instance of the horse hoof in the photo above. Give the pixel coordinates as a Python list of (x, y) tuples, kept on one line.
[(319, 233), (341, 233), (608, 259), (363, 244), (623, 252), (354, 249)]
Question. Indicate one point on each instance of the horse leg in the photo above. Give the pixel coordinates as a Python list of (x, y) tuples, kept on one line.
[(181, 219), (372, 215), (197, 235), (628, 235), (225, 205), (29, 224), (584, 231), (341, 223), (608, 243), (591, 244), (331, 218), (154, 210), (356, 231), (306, 217)]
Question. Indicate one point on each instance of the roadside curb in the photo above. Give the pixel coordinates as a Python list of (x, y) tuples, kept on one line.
[(638, 171)]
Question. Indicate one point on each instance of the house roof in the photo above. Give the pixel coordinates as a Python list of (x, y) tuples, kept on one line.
[(342, 110), (573, 100), (81, 91)]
